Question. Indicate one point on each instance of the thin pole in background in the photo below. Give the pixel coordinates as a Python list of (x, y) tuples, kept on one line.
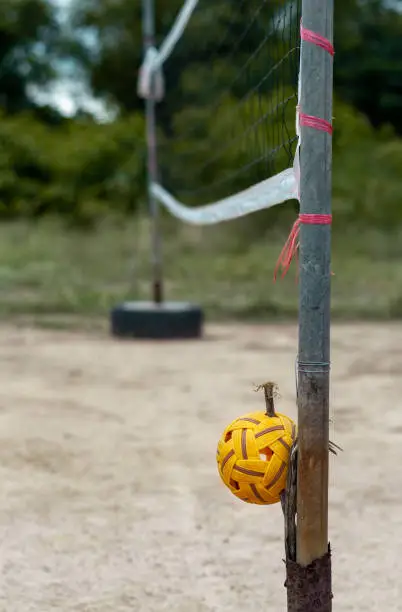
[(150, 103), (311, 573)]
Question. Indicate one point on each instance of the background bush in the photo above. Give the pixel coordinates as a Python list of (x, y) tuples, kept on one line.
[(79, 170)]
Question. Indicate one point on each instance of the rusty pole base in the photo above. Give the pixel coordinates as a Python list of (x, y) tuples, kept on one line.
[(309, 588)]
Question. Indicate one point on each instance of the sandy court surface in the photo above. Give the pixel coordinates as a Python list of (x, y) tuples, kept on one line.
[(111, 499)]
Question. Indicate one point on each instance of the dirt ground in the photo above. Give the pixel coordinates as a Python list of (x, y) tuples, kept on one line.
[(111, 499)]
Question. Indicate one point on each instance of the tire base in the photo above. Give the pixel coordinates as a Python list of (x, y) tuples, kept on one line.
[(166, 321)]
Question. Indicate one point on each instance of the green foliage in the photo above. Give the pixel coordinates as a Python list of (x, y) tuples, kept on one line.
[(368, 61), (367, 69), (81, 170), (367, 186), (113, 69), (78, 170), (29, 40)]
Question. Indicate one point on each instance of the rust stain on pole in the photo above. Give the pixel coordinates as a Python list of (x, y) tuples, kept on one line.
[(312, 487)]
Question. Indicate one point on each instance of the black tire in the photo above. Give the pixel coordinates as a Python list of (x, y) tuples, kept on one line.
[(167, 321)]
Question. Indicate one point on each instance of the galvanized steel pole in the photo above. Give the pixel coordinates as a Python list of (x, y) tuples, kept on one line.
[(314, 311)]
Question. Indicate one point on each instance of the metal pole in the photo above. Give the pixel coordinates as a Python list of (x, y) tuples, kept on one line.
[(148, 41), (314, 311)]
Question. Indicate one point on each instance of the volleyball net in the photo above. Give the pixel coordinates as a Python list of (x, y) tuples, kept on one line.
[(225, 81)]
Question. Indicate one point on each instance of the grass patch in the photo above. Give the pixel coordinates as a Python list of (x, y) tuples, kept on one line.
[(55, 276)]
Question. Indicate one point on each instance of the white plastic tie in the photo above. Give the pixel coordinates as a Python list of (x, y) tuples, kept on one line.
[(150, 80)]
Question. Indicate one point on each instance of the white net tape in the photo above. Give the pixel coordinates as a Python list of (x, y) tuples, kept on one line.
[(266, 194), (176, 32)]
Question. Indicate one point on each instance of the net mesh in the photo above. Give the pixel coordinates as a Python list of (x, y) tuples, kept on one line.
[(227, 119)]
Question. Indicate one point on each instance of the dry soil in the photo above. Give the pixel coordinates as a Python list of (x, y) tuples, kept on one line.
[(111, 501)]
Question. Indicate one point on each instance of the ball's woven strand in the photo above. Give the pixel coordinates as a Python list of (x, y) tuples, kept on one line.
[(253, 456)]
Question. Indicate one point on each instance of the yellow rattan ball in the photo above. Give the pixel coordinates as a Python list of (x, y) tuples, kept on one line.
[(253, 455)]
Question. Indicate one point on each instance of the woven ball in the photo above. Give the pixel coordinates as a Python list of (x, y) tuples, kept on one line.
[(253, 456)]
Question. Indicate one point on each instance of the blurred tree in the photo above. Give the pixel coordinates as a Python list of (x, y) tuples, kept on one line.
[(207, 137), (368, 62), (112, 32), (28, 42), (218, 31), (78, 171)]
